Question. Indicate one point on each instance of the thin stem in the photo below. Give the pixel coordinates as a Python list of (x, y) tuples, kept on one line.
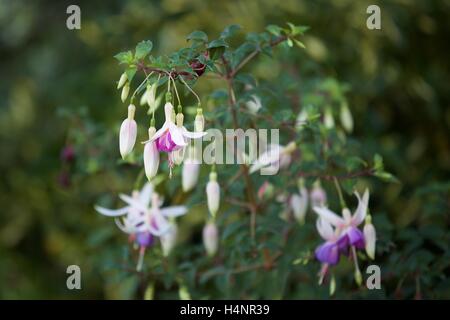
[(341, 197), (176, 91), (139, 87), (190, 89)]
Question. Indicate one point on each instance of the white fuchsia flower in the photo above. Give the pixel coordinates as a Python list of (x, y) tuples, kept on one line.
[(345, 233), (128, 133), (213, 193), (211, 238), (142, 222), (151, 156), (274, 158), (171, 137)]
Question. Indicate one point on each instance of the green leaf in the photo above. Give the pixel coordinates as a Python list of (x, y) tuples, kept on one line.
[(297, 30), (290, 43), (124, 57), (299, 43), (217, 43), (378, 162), (198, 36), (273, 29), (386, 176), (143, 48), (131, 71), (230, 31)]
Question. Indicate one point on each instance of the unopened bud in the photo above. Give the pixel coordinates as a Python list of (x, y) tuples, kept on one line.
[(125, 91), (122, 80)]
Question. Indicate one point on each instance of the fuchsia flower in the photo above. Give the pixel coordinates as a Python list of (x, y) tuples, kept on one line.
[(142, 222), (274, 158), (343, 235)]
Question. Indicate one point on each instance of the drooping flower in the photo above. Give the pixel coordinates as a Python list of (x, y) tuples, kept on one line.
[(172, 137), (151, 156), (128, 133), (347, 225), (213, 193), (211, 238), (328, 252), (142, 222), (370, 237), (274, 158)]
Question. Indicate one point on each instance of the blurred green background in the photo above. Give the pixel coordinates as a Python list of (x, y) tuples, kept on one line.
[(57, 88)]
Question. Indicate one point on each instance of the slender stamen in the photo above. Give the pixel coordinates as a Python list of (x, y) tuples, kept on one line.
[(141, 259)]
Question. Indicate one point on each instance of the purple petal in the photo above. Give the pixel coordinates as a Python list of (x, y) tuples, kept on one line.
[(165, 143), (355, 237), (144, 239), (328, 253)]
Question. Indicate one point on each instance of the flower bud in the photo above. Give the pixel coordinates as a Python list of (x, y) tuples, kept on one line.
[(266, 191), (151, 95), (122, 80), (189, 175), (128, 133), (318, 195), (370, 237), (358, 277), (169, 239), (179, 119), (168, 109), (125, 91), (254, 104), (346, 117), (143, 99), (299, 205), (210, 238), (199, 122), (213, 194), (328, 118), (151, 156)]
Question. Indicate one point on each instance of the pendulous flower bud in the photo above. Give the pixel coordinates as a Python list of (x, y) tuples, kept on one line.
[(151, 156), (213, 194), (211, 238), (125, 91), (122, 80), (169, 239), (128, 133), (318, 195), (370, 237), (189, 175), (346, 117), (299, 205), (199, 122)]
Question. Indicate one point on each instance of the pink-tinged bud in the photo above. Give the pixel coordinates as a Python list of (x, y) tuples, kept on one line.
[(211, 238), (370, 237), (189, 175), (199, 122), (128, 133), (169, 239), (266, 190), (68, 154), (213, 194), (151, 156), (318, 196), (299, 205)]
